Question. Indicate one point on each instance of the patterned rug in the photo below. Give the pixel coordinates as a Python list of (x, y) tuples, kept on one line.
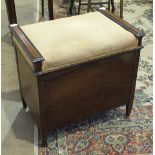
[(111, 133)]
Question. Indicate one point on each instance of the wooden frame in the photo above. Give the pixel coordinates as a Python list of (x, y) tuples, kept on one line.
[(74, 93)]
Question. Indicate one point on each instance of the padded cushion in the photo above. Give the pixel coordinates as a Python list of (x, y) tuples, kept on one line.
[(72, 40)]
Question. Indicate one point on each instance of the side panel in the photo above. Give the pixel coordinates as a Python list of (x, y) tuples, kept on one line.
[(29, 86), (75, 93)]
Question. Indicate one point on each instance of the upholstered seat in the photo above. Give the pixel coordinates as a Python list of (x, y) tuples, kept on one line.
[(68, 41)]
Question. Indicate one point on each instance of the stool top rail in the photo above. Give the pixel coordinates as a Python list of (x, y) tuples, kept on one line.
[(138, 33), (30, 50)]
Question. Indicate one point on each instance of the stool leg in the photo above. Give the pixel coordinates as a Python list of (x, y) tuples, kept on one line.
[(42, 138), (24, 103), (79, 8), (113, 6), (43, 141), (128, 109), (89, 6), (121, 8), (133, 83)]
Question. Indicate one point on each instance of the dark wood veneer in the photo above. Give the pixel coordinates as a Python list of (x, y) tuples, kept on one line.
[(74, 93)]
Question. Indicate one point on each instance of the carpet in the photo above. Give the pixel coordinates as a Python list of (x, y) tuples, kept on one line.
[(111, 132)]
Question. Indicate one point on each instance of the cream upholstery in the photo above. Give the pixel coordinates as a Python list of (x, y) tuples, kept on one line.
[(67, 41)]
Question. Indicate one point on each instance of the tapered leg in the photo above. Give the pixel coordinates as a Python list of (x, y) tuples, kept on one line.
[(24, 103), (129, 108), (79, 8), (129, 105), (43, 141), (43, 138), (113, 6)]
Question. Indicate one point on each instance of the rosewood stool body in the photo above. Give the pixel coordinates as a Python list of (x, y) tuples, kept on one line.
[(75, 93)]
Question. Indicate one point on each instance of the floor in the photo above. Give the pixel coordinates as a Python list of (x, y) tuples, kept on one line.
[(17, 126)]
